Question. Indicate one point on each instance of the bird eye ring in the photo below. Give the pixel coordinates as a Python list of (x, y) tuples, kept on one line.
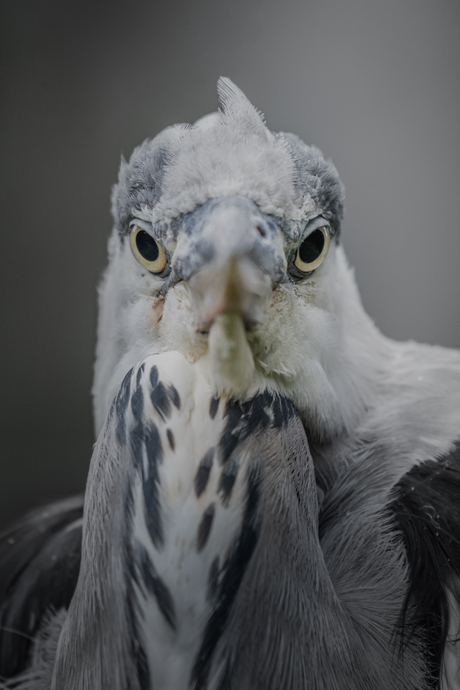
[(147, 251), (313, 250)]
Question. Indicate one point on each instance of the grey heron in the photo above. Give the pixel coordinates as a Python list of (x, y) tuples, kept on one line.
[(274, 495)]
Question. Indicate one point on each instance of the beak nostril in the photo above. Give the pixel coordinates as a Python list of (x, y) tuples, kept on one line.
[(261, 230)]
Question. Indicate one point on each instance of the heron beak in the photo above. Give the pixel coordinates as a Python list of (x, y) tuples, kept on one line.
[(231, 257), (237, 287)]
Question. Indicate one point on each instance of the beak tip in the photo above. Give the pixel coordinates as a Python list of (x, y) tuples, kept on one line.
[(239, 287)]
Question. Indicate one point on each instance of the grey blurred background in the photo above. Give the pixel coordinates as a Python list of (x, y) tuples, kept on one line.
[(374, 84)]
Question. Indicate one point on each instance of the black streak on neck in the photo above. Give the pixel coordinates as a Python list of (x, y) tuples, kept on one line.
[(234, 569), (204, 528)]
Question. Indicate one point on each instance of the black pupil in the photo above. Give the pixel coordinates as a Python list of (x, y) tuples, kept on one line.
[(311, 247), (147, 246)]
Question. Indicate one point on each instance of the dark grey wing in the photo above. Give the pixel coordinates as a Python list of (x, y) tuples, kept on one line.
[(426, 506), (39, 565)]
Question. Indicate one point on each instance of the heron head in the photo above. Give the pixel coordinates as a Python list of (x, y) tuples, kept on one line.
[(226, 248)]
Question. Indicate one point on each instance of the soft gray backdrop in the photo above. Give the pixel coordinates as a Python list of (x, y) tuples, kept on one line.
[(374, 84)]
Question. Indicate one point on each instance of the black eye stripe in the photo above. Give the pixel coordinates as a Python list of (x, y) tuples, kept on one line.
[(311, 247), (147, 246)]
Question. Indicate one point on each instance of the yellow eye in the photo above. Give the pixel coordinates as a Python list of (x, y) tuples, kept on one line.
[(313, 250), (147, 251)]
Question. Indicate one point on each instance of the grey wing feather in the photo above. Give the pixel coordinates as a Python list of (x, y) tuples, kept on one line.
[(39, 566)]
